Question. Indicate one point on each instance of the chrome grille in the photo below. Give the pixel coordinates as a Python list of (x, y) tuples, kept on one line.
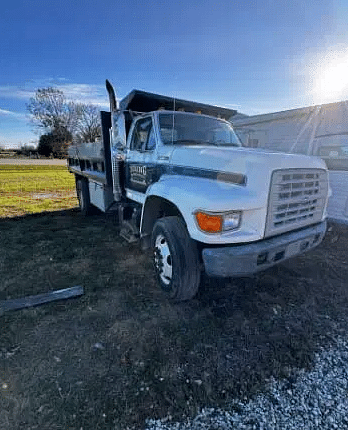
[(297, 198)]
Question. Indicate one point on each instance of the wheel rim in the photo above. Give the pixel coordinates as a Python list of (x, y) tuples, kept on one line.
[(163, 260)]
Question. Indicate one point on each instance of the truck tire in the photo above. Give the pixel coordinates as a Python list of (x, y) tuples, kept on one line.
[(175, 258), (82, 192)]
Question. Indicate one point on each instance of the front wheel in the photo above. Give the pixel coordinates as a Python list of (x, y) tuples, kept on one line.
[(175, 259)]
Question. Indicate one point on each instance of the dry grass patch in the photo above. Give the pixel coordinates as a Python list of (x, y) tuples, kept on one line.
[(31, 188)]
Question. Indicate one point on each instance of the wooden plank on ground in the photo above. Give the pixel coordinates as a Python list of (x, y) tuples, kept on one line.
[(39, 299)]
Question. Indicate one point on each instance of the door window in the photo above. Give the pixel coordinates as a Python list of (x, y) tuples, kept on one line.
[(151, 141), (141, 136)]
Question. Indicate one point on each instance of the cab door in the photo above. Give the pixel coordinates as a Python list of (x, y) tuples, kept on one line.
[(141, 167)]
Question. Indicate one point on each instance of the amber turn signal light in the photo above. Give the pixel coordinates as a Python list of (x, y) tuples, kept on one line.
[(209, 223)]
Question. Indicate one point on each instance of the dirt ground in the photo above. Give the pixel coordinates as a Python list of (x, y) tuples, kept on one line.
[(121, 353)]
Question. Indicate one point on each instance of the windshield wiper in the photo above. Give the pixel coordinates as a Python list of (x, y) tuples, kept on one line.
[(224, 143), (203, 142), (189, 142)]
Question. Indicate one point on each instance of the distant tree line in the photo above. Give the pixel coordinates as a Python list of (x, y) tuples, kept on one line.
[(62, 122), (25, 150)]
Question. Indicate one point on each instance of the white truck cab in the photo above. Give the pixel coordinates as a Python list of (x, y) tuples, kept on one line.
[(183, 185)]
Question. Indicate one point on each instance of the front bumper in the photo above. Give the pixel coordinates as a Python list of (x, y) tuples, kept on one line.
[(243, 260)]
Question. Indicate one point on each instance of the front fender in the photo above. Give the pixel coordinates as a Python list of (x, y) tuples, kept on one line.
[(189, 195)]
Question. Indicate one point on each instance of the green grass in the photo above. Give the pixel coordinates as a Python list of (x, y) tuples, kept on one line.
[(26, 189)]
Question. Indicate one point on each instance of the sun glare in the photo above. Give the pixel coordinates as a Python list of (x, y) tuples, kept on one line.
[(330, 80)]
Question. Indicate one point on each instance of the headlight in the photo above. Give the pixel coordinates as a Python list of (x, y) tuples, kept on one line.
[(231, 220), (217, 223)]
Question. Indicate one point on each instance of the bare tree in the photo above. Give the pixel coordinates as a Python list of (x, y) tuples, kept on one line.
[(89, 127), (48, 108), (63, 121)]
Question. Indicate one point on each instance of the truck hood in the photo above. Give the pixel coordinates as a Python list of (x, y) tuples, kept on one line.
[(240, 160), (255, 164)]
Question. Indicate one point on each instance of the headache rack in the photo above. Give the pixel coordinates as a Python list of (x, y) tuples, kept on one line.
[(297, 198)]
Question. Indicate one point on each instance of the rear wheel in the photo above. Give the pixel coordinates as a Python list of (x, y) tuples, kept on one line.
[(82, 192), (175, 259)]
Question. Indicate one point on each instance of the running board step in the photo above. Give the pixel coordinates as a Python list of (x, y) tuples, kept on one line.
[(129, 233)]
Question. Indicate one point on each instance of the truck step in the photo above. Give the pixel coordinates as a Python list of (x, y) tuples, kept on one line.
[(129, 233)]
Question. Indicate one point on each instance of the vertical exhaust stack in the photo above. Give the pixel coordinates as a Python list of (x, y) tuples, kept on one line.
[(112, 97), (117, 141)]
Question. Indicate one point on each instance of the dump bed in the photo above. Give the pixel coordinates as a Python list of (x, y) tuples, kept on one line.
[(141, 101), (87, 151), (93, 160)]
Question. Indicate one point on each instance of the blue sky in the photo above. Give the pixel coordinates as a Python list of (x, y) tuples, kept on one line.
[(254, 56)]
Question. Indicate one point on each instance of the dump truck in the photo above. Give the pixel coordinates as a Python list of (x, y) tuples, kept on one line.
[(182, 185)]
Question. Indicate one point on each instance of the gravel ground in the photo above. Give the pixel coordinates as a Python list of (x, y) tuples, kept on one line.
[(306, 400)]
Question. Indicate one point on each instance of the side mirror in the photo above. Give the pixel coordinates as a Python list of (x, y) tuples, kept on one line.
[(118, 131)]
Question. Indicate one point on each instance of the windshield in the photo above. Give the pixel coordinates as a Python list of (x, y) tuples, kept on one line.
[(191, 129)]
